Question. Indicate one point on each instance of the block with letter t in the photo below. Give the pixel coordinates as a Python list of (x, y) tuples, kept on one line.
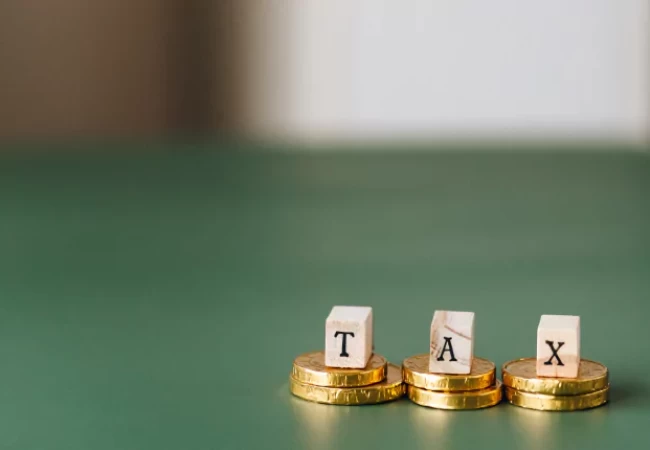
[(558, 346), (348, 337), (452, 342)]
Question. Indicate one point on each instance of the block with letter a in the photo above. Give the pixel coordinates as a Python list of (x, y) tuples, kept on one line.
[(348, 337), (558, 346), (452, 342)]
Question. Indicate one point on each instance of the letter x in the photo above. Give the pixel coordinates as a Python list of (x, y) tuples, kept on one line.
[(554, 355)]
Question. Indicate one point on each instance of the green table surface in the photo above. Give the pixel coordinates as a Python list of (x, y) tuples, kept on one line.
[(154, 298)]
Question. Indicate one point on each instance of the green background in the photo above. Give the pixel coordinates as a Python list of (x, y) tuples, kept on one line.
[(154, 296)]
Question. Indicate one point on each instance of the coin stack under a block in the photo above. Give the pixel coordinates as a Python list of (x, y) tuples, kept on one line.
[(557, 380), (347, 372), (449, 376)]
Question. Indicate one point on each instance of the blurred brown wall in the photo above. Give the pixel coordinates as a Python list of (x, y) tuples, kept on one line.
[(113, 67)]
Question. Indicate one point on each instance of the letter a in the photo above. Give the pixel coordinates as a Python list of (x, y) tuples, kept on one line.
[(445, 349)]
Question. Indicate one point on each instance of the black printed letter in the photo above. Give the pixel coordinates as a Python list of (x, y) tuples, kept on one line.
[(445, 349), (345, 341), (554, 355)]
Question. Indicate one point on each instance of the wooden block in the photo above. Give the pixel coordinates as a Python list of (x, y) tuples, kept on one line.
[(348, 337), (558, 346), (452, 342)]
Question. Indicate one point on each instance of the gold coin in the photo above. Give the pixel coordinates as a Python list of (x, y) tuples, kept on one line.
[(521, 374), (310, 369), (415, 372), (481, 398), (390, 389), (557, 402)]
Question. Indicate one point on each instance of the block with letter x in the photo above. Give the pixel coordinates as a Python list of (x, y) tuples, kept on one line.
[(558, 346), (348, 337), (452, 342)]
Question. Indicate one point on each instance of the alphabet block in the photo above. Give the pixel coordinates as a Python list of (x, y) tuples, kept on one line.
[(348, 337), (558, 346), (452, 342)]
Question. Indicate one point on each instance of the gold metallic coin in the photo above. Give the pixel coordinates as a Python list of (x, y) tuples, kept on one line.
[(415, 372), (557, 402), (390, 389), (310, 369), (521, 374), (481, 398)]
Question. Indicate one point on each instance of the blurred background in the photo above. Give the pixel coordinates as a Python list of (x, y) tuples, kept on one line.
[(169, 241), (341, 70)]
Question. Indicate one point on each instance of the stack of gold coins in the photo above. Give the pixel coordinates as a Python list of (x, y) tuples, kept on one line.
[(479, 389), (524, 388), (378, 382)]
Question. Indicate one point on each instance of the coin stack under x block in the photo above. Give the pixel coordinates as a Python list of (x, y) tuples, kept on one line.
[(558, 379), (449, 376), (347, 372)]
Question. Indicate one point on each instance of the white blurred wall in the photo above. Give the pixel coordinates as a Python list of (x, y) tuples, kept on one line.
[(443, 69)]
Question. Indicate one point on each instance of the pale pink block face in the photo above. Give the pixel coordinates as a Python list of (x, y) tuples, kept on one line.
[(558, 346), (348, 337), (451, 348)]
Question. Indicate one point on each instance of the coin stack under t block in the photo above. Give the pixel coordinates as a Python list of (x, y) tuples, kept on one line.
[(347, 372), (449, 376), (558, 379)]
